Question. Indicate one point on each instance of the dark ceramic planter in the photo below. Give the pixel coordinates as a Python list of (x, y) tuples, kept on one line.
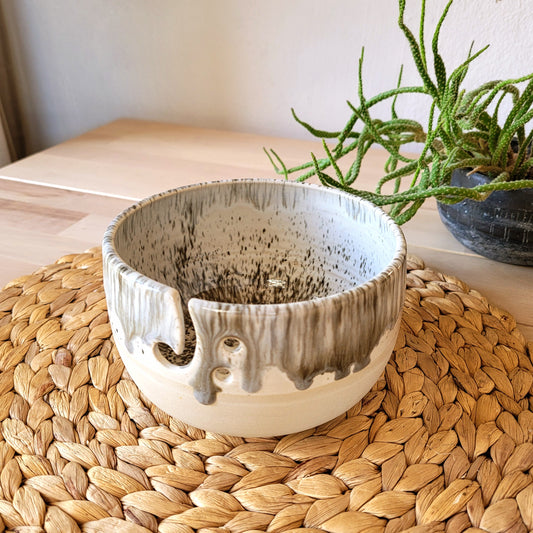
[(500, 227)]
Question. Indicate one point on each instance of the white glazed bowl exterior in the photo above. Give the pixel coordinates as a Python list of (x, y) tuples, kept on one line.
[(298, 364)]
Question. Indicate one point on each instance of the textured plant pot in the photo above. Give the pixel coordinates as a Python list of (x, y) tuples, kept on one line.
[(500, 227), (254, 307)]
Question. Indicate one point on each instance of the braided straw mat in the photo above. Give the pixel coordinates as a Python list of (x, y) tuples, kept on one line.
[(443, 442)]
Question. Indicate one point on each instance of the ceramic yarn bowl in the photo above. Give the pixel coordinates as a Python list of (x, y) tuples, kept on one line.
[(254, 307)]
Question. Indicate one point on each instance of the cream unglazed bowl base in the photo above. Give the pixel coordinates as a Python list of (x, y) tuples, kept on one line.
[(254, 307), (253, 414)]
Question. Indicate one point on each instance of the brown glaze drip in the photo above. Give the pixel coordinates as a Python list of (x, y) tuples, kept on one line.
[(332, 335)]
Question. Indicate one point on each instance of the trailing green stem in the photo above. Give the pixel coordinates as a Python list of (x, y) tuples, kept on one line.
[(463, 131)]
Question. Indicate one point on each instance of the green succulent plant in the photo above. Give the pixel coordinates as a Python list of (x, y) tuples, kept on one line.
[(463, 130)]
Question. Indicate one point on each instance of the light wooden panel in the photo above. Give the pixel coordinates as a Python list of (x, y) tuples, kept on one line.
[(32, 197), (135, 159), (40, 224)]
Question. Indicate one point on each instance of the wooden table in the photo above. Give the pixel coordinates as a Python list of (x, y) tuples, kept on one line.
[(61, 200)]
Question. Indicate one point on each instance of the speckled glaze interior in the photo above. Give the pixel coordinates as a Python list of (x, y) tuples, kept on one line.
[(224, 292)]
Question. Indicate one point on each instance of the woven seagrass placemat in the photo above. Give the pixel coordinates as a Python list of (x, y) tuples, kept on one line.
[(444, 441)]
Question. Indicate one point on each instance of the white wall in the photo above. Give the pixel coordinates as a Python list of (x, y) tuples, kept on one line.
[(235, 64)]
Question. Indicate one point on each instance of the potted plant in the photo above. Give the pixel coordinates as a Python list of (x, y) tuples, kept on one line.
[(477, 163)]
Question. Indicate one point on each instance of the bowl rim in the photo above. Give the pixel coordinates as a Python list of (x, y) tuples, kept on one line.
[(111, 255)]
